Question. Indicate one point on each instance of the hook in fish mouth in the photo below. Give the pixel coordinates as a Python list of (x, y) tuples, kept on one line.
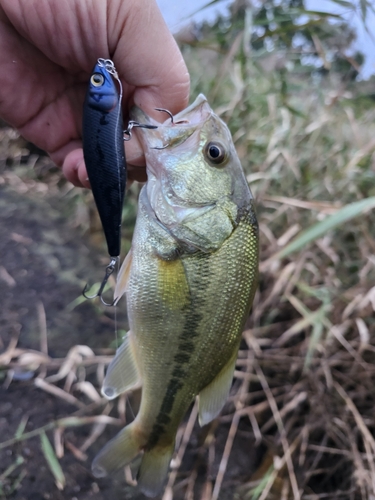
[(163, 110), (142, 115), (132, 124), (161, 147)]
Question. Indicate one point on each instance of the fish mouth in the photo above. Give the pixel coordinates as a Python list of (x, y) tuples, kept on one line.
[(197, 112), (176, 129)]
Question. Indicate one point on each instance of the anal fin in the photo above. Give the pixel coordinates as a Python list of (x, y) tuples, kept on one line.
[(213, 397), (122, 374)]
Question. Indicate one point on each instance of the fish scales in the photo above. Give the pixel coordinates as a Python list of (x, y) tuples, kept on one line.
[(203, 323), (190, 280)]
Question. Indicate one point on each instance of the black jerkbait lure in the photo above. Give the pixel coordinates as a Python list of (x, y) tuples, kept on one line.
[(103, 149), (104, 154)]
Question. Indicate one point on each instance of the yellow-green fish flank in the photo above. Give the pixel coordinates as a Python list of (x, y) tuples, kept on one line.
[(189, 280)]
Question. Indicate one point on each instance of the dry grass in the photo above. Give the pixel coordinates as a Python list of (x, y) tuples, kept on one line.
[(304, 384), (309, 157)]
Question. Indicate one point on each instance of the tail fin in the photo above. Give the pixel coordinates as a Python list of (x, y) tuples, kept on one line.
[(121, 450), (154, 470), (118, 452)]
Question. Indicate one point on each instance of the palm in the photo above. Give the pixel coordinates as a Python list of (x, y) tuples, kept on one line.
[(48, 50)]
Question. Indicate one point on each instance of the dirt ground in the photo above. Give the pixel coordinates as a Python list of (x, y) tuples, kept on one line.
[(45, 260)]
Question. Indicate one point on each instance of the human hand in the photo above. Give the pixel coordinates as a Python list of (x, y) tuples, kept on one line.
[(48, 50)]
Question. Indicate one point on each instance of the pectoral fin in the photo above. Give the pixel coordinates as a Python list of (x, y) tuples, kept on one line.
[(123, 277), (122, 374), (214, 395)]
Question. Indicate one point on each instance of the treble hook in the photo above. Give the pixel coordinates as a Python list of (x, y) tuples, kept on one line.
[(161, 147), (165, 111), (108, 271), (133, 124)]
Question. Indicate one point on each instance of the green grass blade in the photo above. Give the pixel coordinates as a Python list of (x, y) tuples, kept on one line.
[(18, 481), (21, 427), (256, 492), (315, 338), (363, 4), (19, 461), (318, 230), (344, 3), (52, 461)]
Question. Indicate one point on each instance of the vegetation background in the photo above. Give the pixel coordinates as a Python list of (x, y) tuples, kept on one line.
[(300, 421)]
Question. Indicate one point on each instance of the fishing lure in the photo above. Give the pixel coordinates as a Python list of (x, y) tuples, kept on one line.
[(104, 154)]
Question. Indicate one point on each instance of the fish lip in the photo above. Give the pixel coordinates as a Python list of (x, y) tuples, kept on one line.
[(199, 102), (137, 114), (167, 132)]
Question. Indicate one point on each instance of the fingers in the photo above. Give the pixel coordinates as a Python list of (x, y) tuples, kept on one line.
[(71, 33), (50, 48), (74, 169), (147, 56)]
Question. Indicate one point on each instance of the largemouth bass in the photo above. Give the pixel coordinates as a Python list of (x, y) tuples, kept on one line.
[(189, 278)]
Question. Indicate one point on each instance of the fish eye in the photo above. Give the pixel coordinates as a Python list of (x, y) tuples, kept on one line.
[(97, 79), (215, 152)]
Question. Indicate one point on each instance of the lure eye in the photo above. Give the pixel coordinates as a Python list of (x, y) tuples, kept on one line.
[(215, 153), (97, 79)]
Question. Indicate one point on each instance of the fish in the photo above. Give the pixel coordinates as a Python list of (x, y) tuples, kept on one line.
[(103, 149), (190, 279)]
